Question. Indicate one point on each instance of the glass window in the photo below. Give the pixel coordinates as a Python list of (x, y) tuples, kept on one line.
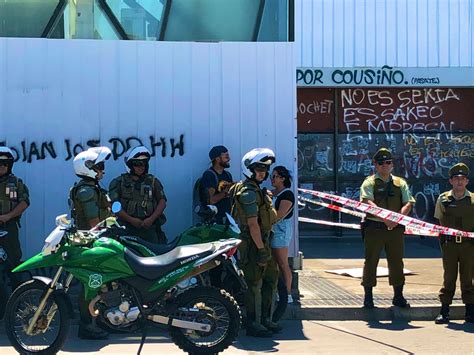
[(140, 19), (213, 20), (274, 26), (103, 27), (25, 18), (149, 20)]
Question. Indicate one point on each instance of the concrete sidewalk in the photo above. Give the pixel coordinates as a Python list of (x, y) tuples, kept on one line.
[(325, 296)]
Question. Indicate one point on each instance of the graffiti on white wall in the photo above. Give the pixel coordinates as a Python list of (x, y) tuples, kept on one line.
[(29, 151)]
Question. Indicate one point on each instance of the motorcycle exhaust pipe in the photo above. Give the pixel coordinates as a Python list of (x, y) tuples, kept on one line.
[(180, 323)]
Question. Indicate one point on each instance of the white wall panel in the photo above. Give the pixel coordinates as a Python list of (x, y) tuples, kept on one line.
[(242, 95), (402, 33)]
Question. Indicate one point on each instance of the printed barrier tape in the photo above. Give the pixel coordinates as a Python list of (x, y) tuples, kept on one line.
[(408, 230), (327, 223), (384, 214), (331, 206)]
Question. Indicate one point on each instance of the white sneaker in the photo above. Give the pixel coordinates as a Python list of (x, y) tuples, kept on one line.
[(290, 299)]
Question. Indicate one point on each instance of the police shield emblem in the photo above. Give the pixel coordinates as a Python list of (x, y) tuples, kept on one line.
[(95, 281), (3, 255)]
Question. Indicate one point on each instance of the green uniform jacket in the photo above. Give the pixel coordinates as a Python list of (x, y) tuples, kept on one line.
[(391, 194), (458, 214), (12, 192), (88, 201), (250, 201), (138, 198)]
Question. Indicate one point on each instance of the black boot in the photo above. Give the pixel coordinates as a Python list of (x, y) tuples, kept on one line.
[(258, 330), (398, 299), (469, 318), (443, 316), (368, 298), (91, 332), (272, 326)]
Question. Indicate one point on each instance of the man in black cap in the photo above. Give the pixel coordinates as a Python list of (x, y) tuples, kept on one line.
[(214, 190), (455, 209), (216, 181), (392, 193)]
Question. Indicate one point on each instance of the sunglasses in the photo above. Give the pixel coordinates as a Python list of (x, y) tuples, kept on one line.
[(384, 162), (99, 166), (138, 163)]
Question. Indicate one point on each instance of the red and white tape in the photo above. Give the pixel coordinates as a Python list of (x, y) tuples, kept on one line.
[(332, 207), (409, 222), (408, 230), (327, 223)]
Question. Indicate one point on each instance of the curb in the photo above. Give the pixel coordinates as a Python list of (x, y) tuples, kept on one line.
[(414, 313)]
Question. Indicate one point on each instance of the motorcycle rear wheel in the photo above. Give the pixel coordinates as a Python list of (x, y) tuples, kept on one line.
[(20, 309), (223, 314)]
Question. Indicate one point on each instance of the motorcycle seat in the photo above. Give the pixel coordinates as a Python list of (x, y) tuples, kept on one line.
[(157, 249), (155, 267)]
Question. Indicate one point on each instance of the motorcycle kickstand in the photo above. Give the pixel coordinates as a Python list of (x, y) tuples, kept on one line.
[(144, 320), (142, 341)]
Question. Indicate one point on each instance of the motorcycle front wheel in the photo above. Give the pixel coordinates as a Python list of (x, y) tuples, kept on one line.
[(22, 305), (216, 308)]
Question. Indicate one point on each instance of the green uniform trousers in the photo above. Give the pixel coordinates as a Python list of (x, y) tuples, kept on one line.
[(457, 256), (11, 256), (377, 238), (261, 281)]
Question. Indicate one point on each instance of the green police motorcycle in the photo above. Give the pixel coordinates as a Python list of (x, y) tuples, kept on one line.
[(232, 277), (126, 291)]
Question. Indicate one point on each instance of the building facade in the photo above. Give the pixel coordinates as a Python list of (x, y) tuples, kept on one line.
[(396, 74), (81, 73)]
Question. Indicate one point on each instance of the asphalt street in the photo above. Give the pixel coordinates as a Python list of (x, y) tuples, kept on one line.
[(305, 337)]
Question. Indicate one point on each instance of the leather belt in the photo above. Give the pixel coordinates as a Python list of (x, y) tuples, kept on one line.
[(449, 238)]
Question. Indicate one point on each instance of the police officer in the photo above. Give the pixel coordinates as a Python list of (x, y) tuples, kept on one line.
[(253, 210), (390, 192), (14, 200), (455, 209), (89, 205), (142, 197)]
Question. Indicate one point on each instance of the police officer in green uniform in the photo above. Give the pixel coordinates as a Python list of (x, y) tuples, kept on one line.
[(14, 200), (455, 209), (253, 210), (142, 197), (390, 192), (89, 205)]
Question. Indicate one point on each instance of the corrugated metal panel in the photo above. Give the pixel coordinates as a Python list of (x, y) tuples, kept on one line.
[(242, 95), (401, 33)]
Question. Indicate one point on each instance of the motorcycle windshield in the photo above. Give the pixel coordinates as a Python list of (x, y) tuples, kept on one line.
[(52, 241)]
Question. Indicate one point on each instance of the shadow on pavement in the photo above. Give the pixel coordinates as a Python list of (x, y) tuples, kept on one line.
[(74, 344), (463, 327), (397, 325), (319, 247), (399, 349), (291, 331)]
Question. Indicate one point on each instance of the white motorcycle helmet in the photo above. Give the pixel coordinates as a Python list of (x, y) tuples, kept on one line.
[(6, 154), (85, 161), (257, 156), (136, 153)]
